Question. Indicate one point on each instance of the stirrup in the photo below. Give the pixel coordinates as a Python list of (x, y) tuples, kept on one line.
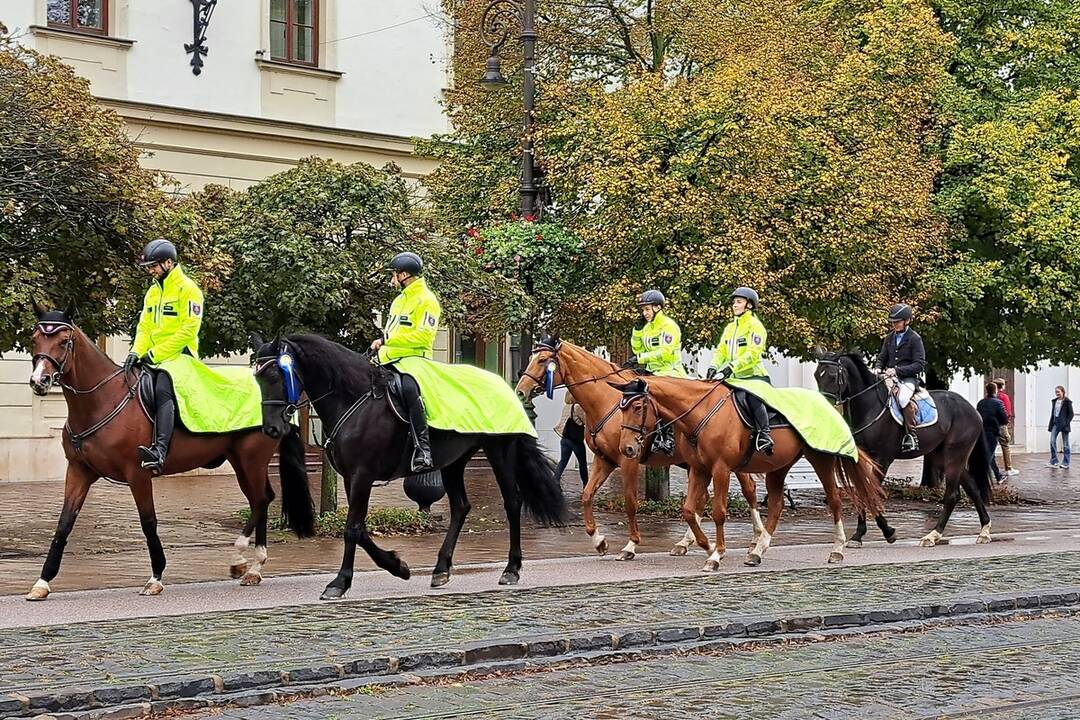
[(150, 459), (763, 442), (421, 461), (910, 443)]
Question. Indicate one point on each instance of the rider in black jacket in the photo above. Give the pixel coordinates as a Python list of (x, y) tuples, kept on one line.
[(903, 359)]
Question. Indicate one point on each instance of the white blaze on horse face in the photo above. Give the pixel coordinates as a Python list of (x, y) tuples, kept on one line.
[(39, 372)]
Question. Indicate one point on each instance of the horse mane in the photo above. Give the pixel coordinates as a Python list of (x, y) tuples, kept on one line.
[(346, 371), (612, 365), (859, 361)]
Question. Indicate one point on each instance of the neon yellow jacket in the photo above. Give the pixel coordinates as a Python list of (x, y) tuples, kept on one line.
[(412, 323), (658, 346), (742, 346), (171, 316)]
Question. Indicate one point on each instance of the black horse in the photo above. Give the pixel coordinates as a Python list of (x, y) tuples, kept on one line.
[(369, 442), (953, 447)]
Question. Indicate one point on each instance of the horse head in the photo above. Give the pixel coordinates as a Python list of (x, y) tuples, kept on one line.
[(840, 375), (542, 373), (53, 347), (638, 416), (279, 383)]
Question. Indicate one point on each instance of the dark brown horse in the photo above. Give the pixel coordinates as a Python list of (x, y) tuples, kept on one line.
[(105, 425), (715, 442), (586, 377)]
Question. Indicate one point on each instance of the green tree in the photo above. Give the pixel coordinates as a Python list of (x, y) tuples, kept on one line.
[(75, 206)]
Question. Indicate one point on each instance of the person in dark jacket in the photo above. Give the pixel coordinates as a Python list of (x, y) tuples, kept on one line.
[(993, 414), (902, 361), (571, 432), (1061, 416)]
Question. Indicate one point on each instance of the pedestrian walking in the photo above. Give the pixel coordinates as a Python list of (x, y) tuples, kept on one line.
[(571, 432), (993, 416), (1061, 415), (1005, 439)]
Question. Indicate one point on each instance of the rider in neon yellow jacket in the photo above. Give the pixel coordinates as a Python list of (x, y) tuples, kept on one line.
[(740, 356), (168, 326), (658, 343), (409, 331)]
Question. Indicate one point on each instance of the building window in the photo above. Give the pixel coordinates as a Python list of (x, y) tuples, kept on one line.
[(82, 15), (294, 36)]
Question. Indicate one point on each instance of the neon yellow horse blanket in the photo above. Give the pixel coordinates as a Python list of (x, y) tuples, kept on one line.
[(214, 400), (810, 414), (467, 399)]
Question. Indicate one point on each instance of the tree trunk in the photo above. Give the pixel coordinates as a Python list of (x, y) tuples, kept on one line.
[(657, 483), (328, 492)]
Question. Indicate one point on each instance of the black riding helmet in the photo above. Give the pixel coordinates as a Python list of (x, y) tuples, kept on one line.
[(407, 262), (748, 294), (157, 251), (899, 312), (652, 297)]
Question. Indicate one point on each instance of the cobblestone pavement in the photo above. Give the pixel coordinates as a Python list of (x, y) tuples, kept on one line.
[(148, 650), (1010, 671)]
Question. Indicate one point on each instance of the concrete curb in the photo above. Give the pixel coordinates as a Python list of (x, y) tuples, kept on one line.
[(266, 686)]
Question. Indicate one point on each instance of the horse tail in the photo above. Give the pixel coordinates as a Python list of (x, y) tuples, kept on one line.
[(979, 468), (297, 507), (540, 489), (862, 480)]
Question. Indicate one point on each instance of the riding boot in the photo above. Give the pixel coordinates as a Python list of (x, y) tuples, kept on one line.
[(153, 458), (763, 442), (911, 439), (421, 459), (664, 439)]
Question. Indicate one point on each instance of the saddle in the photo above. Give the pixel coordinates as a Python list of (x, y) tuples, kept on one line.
[(746, 414), (926, 412), (395, 396), (148, 402)]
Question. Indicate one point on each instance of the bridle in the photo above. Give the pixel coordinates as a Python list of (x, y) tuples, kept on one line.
[(60, 366), (553, 365), (843, 404), (642, 430)]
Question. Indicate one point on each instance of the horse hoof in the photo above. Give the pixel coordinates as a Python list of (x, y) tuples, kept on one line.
[(890, 537), (678, 551), (626, 555), (752, 560), (439, 579), (238, 571), (854, 543), (835, 557), (982, 540), (601, 548), (152, 587), (250, 579), (509, 578), (927, 542), (333, 593), (40, 591), (402, 571), (710, 566)]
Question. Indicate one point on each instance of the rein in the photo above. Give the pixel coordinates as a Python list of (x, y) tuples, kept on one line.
[(844, 404), (644, 433)]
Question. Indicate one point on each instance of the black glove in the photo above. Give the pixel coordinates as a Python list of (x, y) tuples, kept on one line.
[(640, 323), (710, 373), (721, 374), (130, 362), (630, 362)]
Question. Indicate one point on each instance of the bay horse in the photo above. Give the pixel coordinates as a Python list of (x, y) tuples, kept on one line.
[(105, 425), (715, 442), (585, 376), (953, 446), (369, 443)]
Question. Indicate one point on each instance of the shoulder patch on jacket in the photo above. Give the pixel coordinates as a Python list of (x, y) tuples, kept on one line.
[(194, 308), (430, 320)]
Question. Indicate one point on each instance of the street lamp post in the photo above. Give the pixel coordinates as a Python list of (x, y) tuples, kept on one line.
[(500, 20)]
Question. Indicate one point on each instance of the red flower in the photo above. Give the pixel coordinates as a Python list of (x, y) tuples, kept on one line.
[(539, 237), (473, 232), (530, 218), (479, 250)]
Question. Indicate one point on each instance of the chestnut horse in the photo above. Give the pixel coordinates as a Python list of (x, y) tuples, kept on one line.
[(715, 442), (586, 377), (105, 425)]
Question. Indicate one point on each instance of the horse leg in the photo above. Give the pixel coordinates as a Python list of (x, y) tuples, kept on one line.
[(77, 482), (261, 494), (691, 507), (749, 491), (142, 490), (631, 473), (680, 548), (454, 481), (721, 480), (774, 484), (860, 531), (825, 468), (887, 531), (599, 472), (502, 462), (356, 533), (258, 502), (954, 471)]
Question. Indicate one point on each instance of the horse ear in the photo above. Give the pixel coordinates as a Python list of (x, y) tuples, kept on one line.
[(639, 385), (621, 387), (69, 311), (38, 310), (819, 352), (256, 341)]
